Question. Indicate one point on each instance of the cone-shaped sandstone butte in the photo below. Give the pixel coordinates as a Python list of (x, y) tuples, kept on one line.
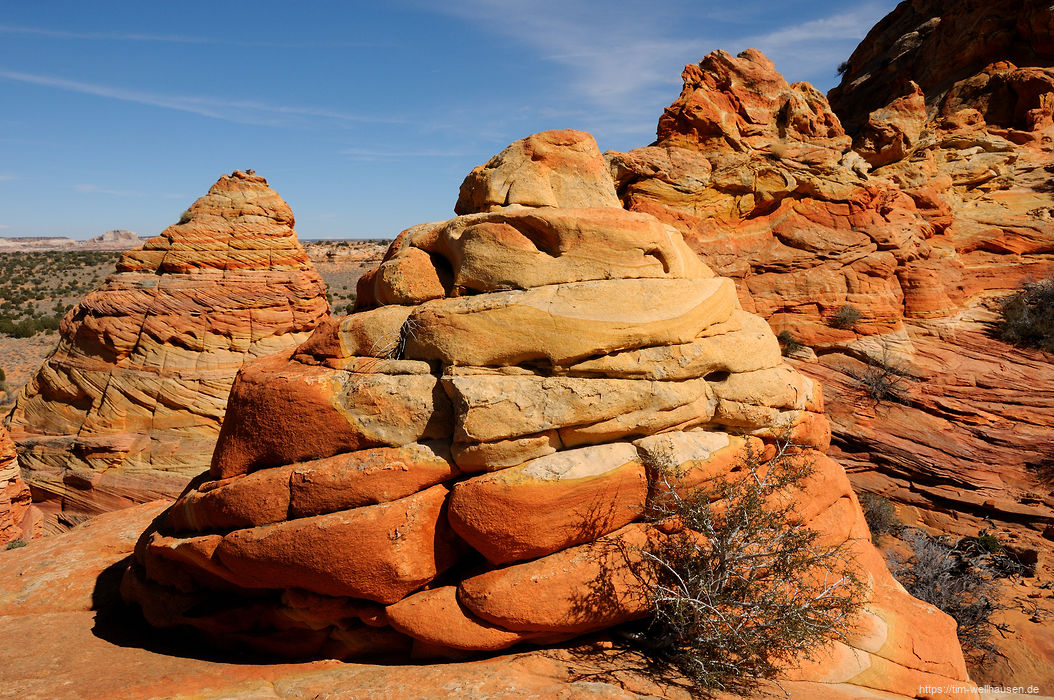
[(129, 406), (432, 474)]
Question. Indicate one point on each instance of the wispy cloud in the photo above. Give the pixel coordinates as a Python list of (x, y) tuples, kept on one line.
[(624, 60), (615, 54), (382, 154), (7, 177), (96, 189), (174, 38), (818, 45), (4, 226), (238, 111)]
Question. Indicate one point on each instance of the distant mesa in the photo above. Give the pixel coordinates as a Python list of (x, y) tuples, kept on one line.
[(128, 407), (115, 240), (117, 236)]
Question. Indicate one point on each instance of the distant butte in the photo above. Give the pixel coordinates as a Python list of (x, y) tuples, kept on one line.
[(128, 407)]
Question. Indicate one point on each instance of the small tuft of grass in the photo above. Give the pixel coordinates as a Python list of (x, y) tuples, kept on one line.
[(15, 544), (988, 542)]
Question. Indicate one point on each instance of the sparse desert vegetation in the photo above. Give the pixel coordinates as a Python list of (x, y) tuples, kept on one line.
[(37, 289), (341, 264), (1027, 316), (959, 576), (882, 379), (737, 587), (789, 344), (880, 514), (846, 317)]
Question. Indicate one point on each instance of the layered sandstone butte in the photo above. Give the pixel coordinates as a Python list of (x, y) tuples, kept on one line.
[(16, 510), (128, 407), (446, 470)]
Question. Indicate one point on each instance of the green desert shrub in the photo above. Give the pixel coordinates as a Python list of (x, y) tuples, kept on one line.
[(788, 343), (845, 317), (15, 544), (959, 577), (741, 589), (880, 514), (1027, 317)]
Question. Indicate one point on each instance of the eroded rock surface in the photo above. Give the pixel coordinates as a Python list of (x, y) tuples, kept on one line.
[(937, 44), (128, 407), (17, 515), (445, 470), (922, 196), (759, 177), (940, 204)]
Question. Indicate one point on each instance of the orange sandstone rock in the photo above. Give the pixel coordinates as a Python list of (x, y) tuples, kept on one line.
[(550, 503), (17, 515), (129, 406), (475, 453)]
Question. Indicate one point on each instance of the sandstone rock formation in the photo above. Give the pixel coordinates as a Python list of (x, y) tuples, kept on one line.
[(937, 44), (16, 511), (72, 640), (128, 407), (934, 211), (445, 470), (933, 201), (759, 177)]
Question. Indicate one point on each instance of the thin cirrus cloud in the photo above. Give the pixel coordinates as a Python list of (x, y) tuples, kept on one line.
[(819, 44), (626, 61), (238, 111), (378, 154), (96, 189), (173, 38)]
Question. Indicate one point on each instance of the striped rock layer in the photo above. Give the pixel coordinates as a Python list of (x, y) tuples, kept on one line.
[(128, 407), (17, 515), (445, 470)]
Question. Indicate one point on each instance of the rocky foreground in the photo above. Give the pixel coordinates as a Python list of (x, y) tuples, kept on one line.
[(128, 407), (74, 640)]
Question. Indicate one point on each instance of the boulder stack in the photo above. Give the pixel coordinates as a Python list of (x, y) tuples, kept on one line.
[(128, 407), (445, 470)]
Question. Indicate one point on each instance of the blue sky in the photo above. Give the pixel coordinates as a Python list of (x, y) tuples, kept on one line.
[(364, 116)]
